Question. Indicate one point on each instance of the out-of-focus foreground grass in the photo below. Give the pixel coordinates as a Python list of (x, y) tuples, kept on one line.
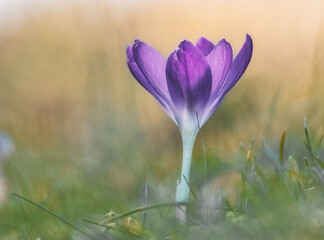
[(88, 136)]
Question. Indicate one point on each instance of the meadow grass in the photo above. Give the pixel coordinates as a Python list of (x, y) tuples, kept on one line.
[(276, 197)]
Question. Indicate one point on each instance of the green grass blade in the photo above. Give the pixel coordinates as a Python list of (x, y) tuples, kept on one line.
[(51, 213), (320, 141), (308, 142), (282, 146), (146, 201), (190, 188), (145, 208), (309, 147)]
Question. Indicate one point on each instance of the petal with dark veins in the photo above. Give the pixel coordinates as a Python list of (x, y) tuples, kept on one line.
[(153, 83), (205, 46), (235, 72), (189, 78), (219, 60)]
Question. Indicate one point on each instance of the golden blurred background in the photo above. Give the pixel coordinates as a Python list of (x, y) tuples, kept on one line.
[(56, 61)]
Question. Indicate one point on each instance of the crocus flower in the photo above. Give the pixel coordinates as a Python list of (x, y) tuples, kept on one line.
[(190, 85)]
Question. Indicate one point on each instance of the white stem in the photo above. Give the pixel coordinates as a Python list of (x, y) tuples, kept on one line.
[(182, 192)]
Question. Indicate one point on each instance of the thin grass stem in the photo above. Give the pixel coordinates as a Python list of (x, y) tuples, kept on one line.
[(51, 213)]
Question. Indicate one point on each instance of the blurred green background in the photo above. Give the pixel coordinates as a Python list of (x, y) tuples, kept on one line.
[(88, 136)]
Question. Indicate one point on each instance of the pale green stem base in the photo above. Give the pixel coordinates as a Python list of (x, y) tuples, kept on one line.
[(182, 192)]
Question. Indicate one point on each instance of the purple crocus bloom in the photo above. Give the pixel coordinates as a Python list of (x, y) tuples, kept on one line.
[(190, 84)]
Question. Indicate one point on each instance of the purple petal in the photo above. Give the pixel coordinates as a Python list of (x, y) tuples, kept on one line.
[(220, 60), (152, 65), (205, 46), (137, 72), (236, 70), (239, 65), (143, 80), (189, 78)]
